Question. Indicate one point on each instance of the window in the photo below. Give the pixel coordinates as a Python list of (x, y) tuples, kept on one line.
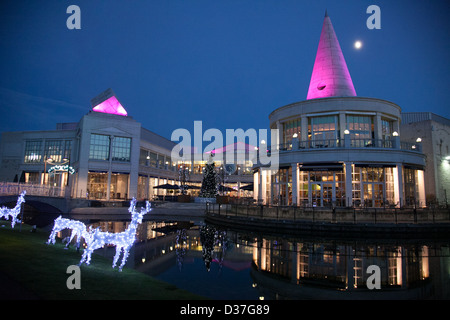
[(67, 148), (53, 150), (33, 151), (290, 128), (324, 131), (121, 150), (361, 130), (387, 128), (143, 161), (99, 148), (360, 127), (153, 159)]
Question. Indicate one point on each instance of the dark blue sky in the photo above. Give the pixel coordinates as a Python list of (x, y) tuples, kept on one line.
[(228, 63)]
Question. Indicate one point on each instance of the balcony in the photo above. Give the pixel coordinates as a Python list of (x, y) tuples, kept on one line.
[(296, 145)]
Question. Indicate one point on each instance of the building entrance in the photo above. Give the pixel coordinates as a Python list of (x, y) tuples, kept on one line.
[(373, 194), (321, 194)]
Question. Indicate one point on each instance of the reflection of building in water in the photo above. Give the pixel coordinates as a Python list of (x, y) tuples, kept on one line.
[(340, 270)]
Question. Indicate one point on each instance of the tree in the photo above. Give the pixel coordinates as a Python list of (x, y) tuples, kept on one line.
[(210, 181)]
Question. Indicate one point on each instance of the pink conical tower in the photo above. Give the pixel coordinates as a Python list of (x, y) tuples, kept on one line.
[(330, 76)]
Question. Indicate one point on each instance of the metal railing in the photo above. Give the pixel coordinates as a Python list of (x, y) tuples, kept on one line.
[(332, 215), (352, 143), (15, 188)]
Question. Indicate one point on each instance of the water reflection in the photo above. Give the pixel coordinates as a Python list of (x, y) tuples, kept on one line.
[(226, 264)]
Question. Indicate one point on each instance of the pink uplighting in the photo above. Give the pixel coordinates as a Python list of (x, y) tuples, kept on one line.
[(330, 76), (112, 106)]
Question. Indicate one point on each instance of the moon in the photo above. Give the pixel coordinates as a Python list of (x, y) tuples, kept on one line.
[(358, 44)]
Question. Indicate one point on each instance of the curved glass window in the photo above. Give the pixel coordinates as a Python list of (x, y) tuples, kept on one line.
[(361, 130), (290, 128), (323, 131)]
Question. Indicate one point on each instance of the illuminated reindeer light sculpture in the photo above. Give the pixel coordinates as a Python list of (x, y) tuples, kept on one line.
[(78, 229), (122, 240), (14, 212)]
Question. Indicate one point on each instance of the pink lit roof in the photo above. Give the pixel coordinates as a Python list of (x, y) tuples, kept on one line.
[(330, 76), (112, 106), (107, 102)]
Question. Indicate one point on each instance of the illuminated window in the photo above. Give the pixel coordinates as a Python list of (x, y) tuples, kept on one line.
[(33, 151), (290, 128), (324, 127), (53, 150)]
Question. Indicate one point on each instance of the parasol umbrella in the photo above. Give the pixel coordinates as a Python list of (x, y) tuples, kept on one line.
[(248, 187), (225, 188), (167, 186)]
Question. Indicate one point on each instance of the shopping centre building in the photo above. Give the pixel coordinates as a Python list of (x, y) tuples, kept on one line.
[(335, 149), (338, 149), (107, 155)]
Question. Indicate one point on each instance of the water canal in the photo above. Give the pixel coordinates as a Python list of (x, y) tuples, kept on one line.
[(227, 264)]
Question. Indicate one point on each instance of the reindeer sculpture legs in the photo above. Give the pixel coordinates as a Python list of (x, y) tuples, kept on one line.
[(122, 240)]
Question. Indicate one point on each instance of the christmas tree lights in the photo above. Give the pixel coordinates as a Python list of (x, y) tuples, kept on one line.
[(14, 212), (122, 240)]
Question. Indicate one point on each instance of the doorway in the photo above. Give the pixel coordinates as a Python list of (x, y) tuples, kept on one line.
[(373, 194), (321, 194)]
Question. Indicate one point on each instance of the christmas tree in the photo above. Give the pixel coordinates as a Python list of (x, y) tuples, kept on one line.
[(209, 182)]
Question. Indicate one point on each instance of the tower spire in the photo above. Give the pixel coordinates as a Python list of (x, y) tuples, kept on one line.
[(330, 76)]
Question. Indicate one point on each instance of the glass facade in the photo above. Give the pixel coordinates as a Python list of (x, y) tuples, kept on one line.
[(323, 128), (99, 147), (361, 130), (155, 160), (290, 128), (387, 129), (322, 188), (121, 150), (54, 150), (97, 187), (33, 151), (282, 187)]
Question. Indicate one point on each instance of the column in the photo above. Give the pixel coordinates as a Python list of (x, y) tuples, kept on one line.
[(304, 128), (263, 185), (280, 134), (398, 184), (342, 125), (295, 184), (108, 184), (147, 187), (348, 184), (256, 187), (421, 187), (377, 127)]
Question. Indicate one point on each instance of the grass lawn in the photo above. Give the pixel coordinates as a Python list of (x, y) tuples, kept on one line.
[(41, 269)]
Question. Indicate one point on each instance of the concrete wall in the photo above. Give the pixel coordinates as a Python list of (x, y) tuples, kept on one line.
[(435, 137)]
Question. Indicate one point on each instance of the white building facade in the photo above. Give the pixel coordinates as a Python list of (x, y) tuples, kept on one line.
[(340, 150), (107, 155)]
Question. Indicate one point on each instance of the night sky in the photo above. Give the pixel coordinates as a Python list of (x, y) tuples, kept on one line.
[(229, 63)]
